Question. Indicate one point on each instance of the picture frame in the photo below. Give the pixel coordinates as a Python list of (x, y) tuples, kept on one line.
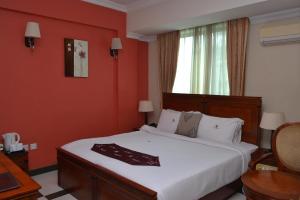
[(76, 58)]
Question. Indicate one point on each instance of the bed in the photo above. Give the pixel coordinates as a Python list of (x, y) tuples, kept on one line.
[(86, 178)]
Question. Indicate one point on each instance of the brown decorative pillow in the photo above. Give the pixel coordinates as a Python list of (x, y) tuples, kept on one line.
[(188, 124)]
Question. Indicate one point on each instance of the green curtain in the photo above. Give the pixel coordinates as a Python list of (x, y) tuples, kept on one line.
[(202, 61)]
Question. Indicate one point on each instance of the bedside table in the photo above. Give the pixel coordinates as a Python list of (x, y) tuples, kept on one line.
[(153, 125), (20, 158), (271, 185), (268, 163)]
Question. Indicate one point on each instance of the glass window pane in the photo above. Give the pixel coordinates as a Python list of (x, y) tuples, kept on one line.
[(184, 66), (202, 61)]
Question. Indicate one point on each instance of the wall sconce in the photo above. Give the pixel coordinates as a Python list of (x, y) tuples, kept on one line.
[(115, 46), (32, 32)]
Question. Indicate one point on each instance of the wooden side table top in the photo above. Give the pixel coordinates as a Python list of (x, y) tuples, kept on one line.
[(28, 189), (271, 185)]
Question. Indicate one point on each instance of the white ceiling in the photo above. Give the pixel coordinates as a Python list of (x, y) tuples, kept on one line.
[(125, 2), (125, 5), (150, 17)]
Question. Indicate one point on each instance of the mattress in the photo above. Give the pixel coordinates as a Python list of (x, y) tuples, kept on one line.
[(190, 167)]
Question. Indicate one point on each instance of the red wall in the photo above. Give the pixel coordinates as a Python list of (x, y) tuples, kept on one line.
[(46, 107)]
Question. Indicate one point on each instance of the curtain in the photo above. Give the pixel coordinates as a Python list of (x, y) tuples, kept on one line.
[(168, 45), (202, 62), (237, 34)]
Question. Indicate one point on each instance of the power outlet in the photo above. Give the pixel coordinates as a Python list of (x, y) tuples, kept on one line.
[(33, 146), (26, 147)]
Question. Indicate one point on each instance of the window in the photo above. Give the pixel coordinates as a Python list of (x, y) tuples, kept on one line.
[(202, 61)]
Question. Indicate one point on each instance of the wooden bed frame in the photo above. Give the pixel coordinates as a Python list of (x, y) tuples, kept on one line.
[(88, 181)]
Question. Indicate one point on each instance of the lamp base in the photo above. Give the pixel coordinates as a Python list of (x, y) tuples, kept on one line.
[(271, 141), (146, 118)]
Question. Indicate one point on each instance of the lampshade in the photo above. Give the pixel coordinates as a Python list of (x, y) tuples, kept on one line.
[(271, 121), (32, 30), (116, 43), (145, 106)]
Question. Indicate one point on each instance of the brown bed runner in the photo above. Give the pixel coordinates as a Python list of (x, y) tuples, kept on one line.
[(126, 155)]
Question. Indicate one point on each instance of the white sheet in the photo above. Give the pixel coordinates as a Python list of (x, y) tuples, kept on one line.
[(190, 167)]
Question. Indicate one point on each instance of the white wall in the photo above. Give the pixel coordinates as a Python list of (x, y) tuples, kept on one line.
[(272, 72)]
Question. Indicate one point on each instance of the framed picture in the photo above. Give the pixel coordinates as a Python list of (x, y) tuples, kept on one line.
[(76, 58)]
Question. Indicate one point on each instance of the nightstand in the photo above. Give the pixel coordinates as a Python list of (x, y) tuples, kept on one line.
[(268, 163), (153, 124), (270, 185), (20, 158)]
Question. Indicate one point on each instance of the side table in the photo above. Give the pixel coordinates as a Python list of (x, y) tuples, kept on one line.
[(20, 158), (271, 185)]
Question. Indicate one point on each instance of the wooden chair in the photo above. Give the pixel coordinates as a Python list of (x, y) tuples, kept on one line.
[(286, 149)]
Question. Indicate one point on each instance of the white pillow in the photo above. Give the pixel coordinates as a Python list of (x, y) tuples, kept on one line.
[(238, 133), (225, 130), (168, 120)]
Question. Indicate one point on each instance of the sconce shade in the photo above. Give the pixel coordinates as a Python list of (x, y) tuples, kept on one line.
[(32, 30), (271, 121), (116, 43), (145, 106)]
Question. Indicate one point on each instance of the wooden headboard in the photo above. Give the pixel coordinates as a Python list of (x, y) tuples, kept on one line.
[(246, 108)]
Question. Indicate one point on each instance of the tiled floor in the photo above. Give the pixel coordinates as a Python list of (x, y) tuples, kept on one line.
[(50, 189)]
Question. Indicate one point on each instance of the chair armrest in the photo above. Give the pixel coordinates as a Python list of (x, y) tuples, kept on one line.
[(258, 159)]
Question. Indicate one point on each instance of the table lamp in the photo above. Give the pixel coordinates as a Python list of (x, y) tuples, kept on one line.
[(145, 106), (271, 121)]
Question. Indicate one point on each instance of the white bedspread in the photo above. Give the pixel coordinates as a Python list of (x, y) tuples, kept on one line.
[(190, 168)]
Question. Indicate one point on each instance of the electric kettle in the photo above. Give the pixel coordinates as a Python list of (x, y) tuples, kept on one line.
[(10, 139)]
